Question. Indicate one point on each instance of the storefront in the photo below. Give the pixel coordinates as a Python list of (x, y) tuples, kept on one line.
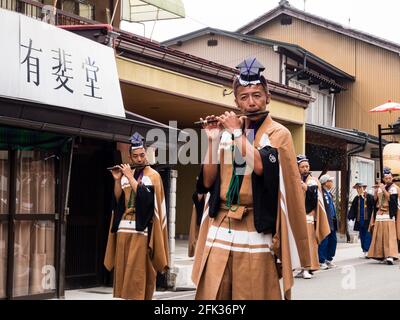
[(55, 146), (55, 196), (32, 167)]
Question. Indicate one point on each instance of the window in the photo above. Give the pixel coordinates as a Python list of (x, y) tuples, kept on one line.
[(35, 183), (34, 270), (31, 168), (361, 170), (9, 4), (80, 8), (322, 111)]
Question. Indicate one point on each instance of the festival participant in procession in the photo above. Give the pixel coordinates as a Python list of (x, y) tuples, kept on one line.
[(327, 248), (361, 210), (253, 231), (317, 221), (137, 246), (383, 223)]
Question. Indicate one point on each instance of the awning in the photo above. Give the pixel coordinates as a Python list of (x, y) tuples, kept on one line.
[(24, 139), (324, 83), (71, 122), (315, 78), (150, 10), (351, 136)]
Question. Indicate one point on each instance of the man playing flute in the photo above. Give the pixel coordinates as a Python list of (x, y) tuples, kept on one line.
[(137, 245), (253, 230)]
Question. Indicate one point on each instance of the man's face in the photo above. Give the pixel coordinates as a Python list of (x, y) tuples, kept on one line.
[(304, 168), (364, 189), (388, 179), (138, 156), (360, 190), (252, 98), (329, 185)]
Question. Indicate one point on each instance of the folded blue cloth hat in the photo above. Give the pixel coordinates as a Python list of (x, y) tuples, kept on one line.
[(250, 72), (301, 158), (136, 141), (386, 171)]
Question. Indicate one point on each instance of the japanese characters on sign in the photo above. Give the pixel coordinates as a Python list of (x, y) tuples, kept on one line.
[(49, 65)]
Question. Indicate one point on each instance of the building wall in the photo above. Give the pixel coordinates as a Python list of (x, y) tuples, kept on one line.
[(377, 81), (377, 70), (320, 41), (230, 52), (185, 186), (287, 112), (299, 137), (173, 82)]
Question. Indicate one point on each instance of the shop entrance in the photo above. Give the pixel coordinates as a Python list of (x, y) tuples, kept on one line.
[(89, 214)]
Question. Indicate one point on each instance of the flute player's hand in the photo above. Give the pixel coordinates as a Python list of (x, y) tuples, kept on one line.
[(117, 173), (231, 121), (127, 171), (212, 129)]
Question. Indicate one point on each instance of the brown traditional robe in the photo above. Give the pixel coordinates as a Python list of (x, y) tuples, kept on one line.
[(135, 257), (195, 221), (257, 260), (193, 233), (317, 225), (383, 229)]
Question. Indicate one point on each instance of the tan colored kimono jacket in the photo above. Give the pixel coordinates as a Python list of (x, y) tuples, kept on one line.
[(383, 229), (136, 259), (193, 233), (317, 224), (290, 242)]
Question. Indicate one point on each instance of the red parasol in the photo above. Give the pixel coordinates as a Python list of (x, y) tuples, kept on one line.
[(388, 106)]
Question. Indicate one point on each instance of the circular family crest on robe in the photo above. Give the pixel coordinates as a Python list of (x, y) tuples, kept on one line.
[(272, 158)]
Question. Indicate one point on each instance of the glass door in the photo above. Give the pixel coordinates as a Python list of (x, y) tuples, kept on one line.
[(34, 269), (4, 216), (34, 173)]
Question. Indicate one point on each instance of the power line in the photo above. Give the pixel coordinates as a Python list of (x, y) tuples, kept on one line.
[(198, 21)]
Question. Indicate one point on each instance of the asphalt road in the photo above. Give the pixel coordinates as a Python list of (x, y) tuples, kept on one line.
[(354, 278)]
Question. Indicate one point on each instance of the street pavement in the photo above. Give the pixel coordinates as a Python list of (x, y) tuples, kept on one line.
[(354, 278)]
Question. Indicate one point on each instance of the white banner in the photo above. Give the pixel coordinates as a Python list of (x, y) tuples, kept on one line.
[(42, 63)]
